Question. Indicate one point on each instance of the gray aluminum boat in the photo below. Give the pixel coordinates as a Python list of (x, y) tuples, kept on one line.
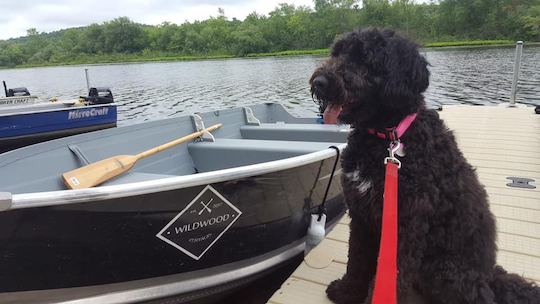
[(187, 223)]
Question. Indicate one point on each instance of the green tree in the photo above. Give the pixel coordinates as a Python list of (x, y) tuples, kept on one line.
[(33, 44), (10, 55), (161, 37), (249, 37), (93, 40), (123, 35), (216, 32), (531, 23)]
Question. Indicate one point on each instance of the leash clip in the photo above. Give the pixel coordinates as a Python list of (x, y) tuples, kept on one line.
[(392, 149)]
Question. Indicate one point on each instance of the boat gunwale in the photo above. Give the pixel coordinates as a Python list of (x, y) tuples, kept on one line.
[(67, 108), (64, 197), (36, 98)]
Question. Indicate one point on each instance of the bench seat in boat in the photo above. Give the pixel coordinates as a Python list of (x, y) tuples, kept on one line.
[(296, 132), (230, 153)]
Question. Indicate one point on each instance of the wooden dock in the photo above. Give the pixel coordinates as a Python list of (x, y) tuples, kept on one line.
[(500, 142)]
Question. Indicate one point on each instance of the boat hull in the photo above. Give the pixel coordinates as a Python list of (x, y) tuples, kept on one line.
[(113, 241), (12, 143), (30, 127), (197, 219)]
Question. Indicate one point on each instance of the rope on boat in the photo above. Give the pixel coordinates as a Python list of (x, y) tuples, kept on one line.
[(322, 206)]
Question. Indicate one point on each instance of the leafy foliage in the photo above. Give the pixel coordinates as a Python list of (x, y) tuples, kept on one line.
[(286, 28)]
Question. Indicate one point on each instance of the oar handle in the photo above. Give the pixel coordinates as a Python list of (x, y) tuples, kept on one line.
[(176, 142)]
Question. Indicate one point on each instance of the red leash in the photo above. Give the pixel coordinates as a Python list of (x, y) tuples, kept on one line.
[(385, 290)]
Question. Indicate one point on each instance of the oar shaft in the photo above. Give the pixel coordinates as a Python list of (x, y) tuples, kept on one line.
[(176, 142)]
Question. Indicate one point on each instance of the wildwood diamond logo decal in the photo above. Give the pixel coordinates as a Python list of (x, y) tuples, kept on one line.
[(204, 220)]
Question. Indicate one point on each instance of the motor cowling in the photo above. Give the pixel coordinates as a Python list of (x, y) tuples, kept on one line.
[(22, 91), (99, 96)]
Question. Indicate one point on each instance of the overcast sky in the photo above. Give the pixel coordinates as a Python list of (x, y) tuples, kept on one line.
[(49, 15)]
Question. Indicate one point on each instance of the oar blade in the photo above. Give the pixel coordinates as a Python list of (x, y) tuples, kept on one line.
[(98, 172)]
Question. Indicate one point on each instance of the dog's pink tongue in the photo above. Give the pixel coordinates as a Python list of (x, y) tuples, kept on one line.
[(331, 114)]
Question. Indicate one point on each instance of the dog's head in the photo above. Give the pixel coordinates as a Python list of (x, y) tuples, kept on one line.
[(375, 75)]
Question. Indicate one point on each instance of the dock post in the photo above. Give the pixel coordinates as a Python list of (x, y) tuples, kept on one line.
[(87, 79), (517, 65)]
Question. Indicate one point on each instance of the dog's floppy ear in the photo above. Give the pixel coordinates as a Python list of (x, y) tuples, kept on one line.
[(408, 76), (420, 74), (337, 48), (349, 44)]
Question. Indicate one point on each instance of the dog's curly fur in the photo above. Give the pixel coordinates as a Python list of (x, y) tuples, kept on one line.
[(446, 247)]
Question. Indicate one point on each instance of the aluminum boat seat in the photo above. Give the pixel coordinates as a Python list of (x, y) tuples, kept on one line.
[(296, 132), (230, 153)]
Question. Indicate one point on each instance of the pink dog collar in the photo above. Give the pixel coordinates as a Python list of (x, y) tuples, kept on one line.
[(395, 133)]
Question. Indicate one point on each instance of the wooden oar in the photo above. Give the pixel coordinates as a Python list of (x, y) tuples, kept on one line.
[(103, 170)]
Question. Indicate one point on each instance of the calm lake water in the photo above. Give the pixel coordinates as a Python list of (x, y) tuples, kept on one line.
[(150, 91)]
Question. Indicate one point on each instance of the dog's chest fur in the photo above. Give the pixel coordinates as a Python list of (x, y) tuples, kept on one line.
[(364, 169), (363, 178), (434, 181)]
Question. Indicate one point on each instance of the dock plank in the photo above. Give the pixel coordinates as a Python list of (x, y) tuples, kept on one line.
[(323, 276), (514, 192), (516, 213), (506, 165), (525, 265), (518, 227), (297, 291), (508, 200), (518, 243), (339, 233)]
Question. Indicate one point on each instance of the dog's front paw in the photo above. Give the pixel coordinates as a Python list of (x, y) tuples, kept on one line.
[(333, 291), (340, 292)]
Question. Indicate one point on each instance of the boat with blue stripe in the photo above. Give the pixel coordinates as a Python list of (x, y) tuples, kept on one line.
[(23, 124)]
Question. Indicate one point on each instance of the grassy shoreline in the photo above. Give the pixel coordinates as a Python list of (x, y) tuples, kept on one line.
[(140, 58)]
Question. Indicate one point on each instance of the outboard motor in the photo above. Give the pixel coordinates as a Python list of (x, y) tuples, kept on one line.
[(15, 91), (99, 96), (18, 92)]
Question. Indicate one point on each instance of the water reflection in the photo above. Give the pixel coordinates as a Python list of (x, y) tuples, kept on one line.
[(150, 91)]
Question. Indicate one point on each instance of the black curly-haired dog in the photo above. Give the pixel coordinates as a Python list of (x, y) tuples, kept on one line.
[(446, 233)]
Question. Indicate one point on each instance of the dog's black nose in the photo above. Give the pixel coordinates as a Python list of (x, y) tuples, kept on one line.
[(320, 83)]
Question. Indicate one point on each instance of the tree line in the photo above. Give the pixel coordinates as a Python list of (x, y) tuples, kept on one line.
[(287, 27)]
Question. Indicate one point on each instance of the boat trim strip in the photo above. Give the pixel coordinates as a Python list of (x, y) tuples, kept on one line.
[(62, 197)]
